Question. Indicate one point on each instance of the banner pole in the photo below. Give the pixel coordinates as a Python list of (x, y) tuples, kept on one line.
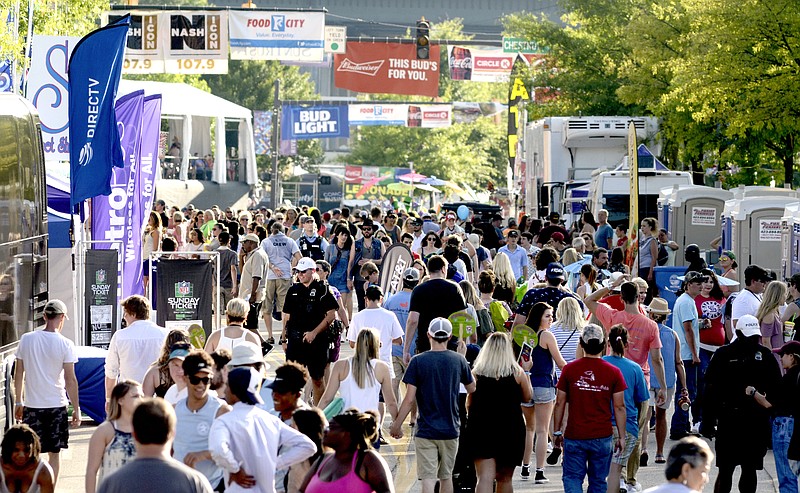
[(276, 145)]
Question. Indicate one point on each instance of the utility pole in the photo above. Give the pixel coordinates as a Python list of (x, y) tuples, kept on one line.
[(276, 146)]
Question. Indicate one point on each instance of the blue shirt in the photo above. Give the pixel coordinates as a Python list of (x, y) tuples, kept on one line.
[(685, 310), (635, 393), (602, 235), (518, 259), (398, 304), (668, 338)]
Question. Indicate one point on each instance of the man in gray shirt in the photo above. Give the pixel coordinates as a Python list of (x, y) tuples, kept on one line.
[(154, 469), (283, 254)]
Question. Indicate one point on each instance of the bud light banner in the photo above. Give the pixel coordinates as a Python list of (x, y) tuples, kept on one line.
[(387, 68), (184, 293), (101, 268), (290, 36), (94, 72), (315, 122), (480, 64), (118, 217), (395, 261)]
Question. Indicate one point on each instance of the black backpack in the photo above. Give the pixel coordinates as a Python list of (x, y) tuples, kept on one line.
[(663, 254)]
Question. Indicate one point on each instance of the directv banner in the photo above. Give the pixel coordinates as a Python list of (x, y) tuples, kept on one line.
[(378, 114), (290, 36), (184, 293), (314, 122), (101, 267)]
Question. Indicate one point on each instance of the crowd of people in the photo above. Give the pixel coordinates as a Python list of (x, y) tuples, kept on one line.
[(574, 359)]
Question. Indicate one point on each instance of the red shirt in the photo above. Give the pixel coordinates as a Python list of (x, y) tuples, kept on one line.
[(713, 310), (642, 334), (590, 384)]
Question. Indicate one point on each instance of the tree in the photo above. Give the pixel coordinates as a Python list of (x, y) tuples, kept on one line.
[(250, 83)]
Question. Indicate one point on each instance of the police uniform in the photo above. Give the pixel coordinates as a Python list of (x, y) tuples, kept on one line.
[(312, 247), (307, 308)]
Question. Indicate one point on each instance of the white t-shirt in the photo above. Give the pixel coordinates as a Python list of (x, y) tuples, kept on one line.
[(746, 303), (385, 322), (44, 354), (173, 395)]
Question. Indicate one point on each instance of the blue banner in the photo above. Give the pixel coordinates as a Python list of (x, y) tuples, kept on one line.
[(316, 122), (94, 71)]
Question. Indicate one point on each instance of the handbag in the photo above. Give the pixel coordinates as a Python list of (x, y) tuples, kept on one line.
[(335, 330)]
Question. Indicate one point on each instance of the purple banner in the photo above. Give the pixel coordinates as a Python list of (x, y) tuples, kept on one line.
[(118, 215), (151, 133)]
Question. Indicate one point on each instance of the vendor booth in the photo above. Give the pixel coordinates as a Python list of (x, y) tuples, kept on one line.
[(691, 214), (752, 229), (194, 118)]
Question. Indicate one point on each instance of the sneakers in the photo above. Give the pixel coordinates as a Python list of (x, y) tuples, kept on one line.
[(696, 429), (552, 459), (623, 486), (540, 478), (635, 488), (526, 472)]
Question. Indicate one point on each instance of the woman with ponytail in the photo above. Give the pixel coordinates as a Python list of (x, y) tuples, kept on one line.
[(353, 466), (637, 397)]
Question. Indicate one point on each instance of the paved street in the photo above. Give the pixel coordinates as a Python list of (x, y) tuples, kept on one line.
[(400, 456)]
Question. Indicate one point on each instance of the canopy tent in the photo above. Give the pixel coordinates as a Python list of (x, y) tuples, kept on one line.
[(190, 112)]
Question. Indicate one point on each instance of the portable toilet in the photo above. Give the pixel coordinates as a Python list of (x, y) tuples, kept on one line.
[(691, 214), (790, 240), (743, 191), (752, 229)]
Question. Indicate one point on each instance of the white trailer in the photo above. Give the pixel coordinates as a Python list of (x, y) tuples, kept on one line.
[(562, 152)]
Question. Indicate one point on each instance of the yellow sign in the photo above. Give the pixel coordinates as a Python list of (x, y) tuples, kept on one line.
[(633, 169)]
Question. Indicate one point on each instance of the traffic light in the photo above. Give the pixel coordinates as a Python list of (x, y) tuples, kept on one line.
[(423, 41)]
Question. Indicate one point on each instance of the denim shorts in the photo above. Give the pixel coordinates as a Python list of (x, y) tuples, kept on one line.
[(541, 395)]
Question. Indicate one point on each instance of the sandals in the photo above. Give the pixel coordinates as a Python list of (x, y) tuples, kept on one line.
[(660, 459)]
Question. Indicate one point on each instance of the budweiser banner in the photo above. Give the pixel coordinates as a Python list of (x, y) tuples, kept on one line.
[(291, 36), (195, 42), (480, 64), (378, 114), (144, 49), (314, 122), (373, 183), (101, 268), (387, 68), (184, 293), (48, 90)]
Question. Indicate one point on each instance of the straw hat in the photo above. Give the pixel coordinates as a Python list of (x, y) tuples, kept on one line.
[(659, 306)]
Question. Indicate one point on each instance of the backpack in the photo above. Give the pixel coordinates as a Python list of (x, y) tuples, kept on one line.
[(453, 274), (500, 314), (663, 254)]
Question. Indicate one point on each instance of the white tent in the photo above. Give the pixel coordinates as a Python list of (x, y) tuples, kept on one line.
[(190, 112)]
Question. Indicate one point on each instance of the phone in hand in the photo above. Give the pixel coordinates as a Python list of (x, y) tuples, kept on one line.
[(525, 353)]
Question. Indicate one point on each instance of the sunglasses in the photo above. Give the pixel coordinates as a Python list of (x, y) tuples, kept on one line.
[(194, 380), (180, 345), (724, 259)]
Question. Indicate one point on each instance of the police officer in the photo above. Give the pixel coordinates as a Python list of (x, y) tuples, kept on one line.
[(311, 244), (737, 373), (308, 311)]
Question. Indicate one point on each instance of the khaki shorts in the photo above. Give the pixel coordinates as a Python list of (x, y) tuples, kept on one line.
[(275, 287), (670, 396), (435, 458), (399, 367)]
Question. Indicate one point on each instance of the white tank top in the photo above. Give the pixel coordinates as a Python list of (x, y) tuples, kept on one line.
[(354, 396), (229, 343), (34, 488)]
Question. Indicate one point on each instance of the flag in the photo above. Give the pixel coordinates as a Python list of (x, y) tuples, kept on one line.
[(516, 94), (117, 217), (151, 134), (94, 72)]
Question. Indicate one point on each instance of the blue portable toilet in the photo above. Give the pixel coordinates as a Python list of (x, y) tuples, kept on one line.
[(668, 284), (790, 240)]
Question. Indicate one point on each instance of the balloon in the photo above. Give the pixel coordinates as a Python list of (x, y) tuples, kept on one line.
[(463, 212)]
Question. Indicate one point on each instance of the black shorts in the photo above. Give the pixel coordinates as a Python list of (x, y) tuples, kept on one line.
[(51, 424), (313, 356), (252, 317)]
